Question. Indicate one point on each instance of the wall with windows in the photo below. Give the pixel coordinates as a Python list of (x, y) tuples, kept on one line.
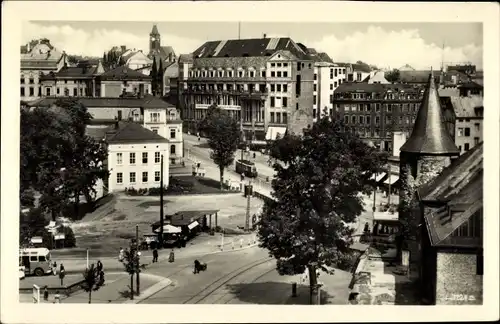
[(137, 165), (468, 133), (327, 77), (114, 89), (67, 88), (155, 119)]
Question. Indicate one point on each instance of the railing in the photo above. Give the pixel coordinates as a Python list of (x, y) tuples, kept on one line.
[(226, 107)]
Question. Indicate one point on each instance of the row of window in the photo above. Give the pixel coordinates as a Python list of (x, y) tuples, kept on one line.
[(284, 64), (132, 157), (402, 120), (380, 96), (30, 81), (279, 87), (465, 131), (48, 92), (278, 102), (277, 118), (332, 85), (239, 74), (467, 145), (132, 177), (411, 107), (367, 132)]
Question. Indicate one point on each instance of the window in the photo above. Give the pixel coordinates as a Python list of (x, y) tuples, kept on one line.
[(477, 126), (32, 81), (132, 158), (314, 110), (119, 158), (22, 80), (377, 120), (331, 85), (132, 177), (467, 131), (273, 88), (172, 149), (285, 74), (47, 92), (66, 92), (315, 76), (331, 73), (377, 107), (252, 74), (273, 64), (476, 140), (273, 74), (172, 133), (285, 88), (297, 106), (157, 176), (272, 101), (389, 108), (368, 120), (32, 91), (278, 74), (284, 101), (298, 66), (41, 258), (155, 117), (358, 77), (58, 91), (466, 147), (314, 99), (22, 92), (75, 92), (278, 88), (361, 119), (346, 119), (33, 258), (331, 98), (157, 157), (145, 176), (460, 132), (353, 119), (119, 177), (278, 118), (335, 71), (263, 73), (460, 148), (272, 117), (315, 87), (154, 130), (145, 157)]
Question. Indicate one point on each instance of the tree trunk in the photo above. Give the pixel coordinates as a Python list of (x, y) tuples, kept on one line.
[(221, 169), (77, 202), (131, 286), (90, 295), (313, 282)]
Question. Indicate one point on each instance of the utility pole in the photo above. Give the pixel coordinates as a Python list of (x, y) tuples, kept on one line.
[(137, 284), (160, 239), (247, 218), (239, 29)]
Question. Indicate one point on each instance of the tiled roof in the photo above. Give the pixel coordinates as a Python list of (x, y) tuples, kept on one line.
[(123, 73), (361, 67), (230, 62), (373, 87), (97, 133), (465, 106), (417, 76), (470, 85), (449, 92), (249, 47), (429, 135), (325, 57), (71, 72), (460, 187), (129, 132), (186, 58), (146, 102)]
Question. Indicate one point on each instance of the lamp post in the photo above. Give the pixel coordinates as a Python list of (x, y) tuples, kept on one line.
[(137, 259), (160, 238)]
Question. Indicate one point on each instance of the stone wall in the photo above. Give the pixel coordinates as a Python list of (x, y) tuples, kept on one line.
[(456, 281)]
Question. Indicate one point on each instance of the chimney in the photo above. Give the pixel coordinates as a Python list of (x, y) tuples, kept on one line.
[(124, 48), (265, 35)]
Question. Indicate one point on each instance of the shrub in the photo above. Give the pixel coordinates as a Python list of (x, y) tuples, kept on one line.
[(27, 198), (348, 261), (69, 236), (131, 191), (155, 191)]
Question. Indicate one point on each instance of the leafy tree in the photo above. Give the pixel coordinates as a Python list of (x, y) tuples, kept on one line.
[(154, 76), (131, 263), (91, 281), (223, 134), (121, 61), (317, 193), (392, 76), (32, 224)]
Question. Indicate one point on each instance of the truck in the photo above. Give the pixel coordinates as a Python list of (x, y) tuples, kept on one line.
[(246, 168)]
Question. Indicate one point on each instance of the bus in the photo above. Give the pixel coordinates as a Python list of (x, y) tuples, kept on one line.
[(36, 261), (247, 168)]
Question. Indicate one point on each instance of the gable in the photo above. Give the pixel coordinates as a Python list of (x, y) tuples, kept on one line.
[(280, 56)]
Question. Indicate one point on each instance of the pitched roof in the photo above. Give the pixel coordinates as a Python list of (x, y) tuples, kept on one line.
[(361, 67), (460, 188), (466, 106), (123, 73), (97, 133), (100, 102), (154, 31), (471, 85), (374, 87), (129, 132), (72, 72), (325, 57), (429, 135), (258, 47), (186, 58)]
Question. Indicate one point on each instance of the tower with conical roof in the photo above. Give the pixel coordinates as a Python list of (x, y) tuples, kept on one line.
[(154, 40), (424, 155)]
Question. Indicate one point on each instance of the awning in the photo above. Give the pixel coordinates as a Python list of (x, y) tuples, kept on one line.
[(380, 177), (391, 179), (193, 225), (36, 239), (169, 229), (272, 132)]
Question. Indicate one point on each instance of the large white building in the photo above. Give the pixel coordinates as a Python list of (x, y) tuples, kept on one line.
[(134, 156)]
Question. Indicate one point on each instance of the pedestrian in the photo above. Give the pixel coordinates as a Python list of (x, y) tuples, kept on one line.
[(155, 255), (57, 298), (54, 268), (61, 268), (99, 266), (171, 257), (101, 278), (45, 293), (120, 255), (196, 266)]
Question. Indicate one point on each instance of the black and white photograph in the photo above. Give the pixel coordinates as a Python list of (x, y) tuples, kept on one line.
[(181, 154)]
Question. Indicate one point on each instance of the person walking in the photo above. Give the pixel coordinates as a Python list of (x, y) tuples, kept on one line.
[(155, 255), (99, 266), (61, 268), (171, 257), (121, 255), (45, 293)]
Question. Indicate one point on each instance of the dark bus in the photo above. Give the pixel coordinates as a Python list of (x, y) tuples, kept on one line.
[(246, 168)]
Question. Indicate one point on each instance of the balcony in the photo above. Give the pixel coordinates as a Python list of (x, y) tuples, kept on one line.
[(225, 107), (254, 95)]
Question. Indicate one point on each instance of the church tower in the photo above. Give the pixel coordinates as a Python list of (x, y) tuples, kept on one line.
[(154, 40), (425, 154)]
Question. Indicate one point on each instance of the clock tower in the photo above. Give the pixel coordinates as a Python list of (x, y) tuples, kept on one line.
[(154, 40)]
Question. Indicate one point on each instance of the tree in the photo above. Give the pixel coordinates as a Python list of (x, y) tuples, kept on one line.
[(121, 61), (160, 78), (392, 76), (223, 134), (317, 194), (32, 224), (104, 58), (91, 281), (154, 76), (131, 263)]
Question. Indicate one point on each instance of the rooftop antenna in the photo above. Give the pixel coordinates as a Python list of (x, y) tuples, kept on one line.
[(239, 29), (442, 58)]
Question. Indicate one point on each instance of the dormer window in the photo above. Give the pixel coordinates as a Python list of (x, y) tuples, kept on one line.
[(240, 74)]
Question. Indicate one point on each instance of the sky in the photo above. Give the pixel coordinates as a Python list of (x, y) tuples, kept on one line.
[(386, 45)]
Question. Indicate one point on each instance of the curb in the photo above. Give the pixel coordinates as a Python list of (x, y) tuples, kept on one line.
[(150, 291)]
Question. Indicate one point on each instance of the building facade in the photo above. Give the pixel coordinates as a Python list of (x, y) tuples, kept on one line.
[(38, 58), (469, 122), (136, 59), (134, 157), (78, 81), (264, 83), (165, 54), (121, 81)]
